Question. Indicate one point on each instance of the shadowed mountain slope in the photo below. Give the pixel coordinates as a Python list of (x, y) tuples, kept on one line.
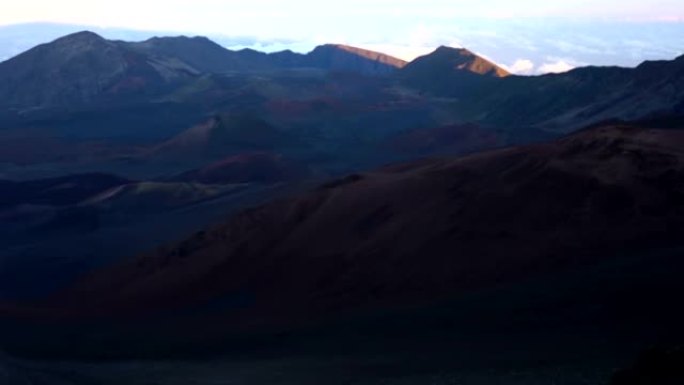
[(418, 231), (222, 135), (446, 59), (199, 52), (346, 58), (80, 68), (583, 96), (451, 71)]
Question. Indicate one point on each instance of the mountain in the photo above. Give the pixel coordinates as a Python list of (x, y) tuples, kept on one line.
[(559, 103), (518, 255), (220, 136), (134, 120), (565, 102), (345, 58), (81, 67), (451, 70), (200, 53), (17, 38), (565, 254), (455, 60), (83, 70), (418, 232), (209, 57)]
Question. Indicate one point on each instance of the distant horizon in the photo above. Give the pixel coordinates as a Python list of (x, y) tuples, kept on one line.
[(528, 55)]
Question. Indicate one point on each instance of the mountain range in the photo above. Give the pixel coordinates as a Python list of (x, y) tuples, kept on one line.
[(341, 209), (84, 66), (117, 106), (84, 69)]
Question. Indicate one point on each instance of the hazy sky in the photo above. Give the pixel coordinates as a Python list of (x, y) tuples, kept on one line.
[(274, 17), (528, 36)]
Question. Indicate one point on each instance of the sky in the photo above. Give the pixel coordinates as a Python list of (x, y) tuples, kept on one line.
[(526, 36)]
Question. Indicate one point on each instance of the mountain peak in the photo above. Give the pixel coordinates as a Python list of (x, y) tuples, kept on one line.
[(183, 38), (449, 59), (373, 55), (366, 53), (342, 47), (83, 67), (81, 37), (182, 42), (465, 59), (340, 56), (445, 49)]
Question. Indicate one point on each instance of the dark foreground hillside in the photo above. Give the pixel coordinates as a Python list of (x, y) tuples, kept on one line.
[(421, 231), (552, 263)]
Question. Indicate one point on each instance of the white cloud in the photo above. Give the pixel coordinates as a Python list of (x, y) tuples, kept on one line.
[(555, 67), (521, 67), (404, 52), (415, 41)]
